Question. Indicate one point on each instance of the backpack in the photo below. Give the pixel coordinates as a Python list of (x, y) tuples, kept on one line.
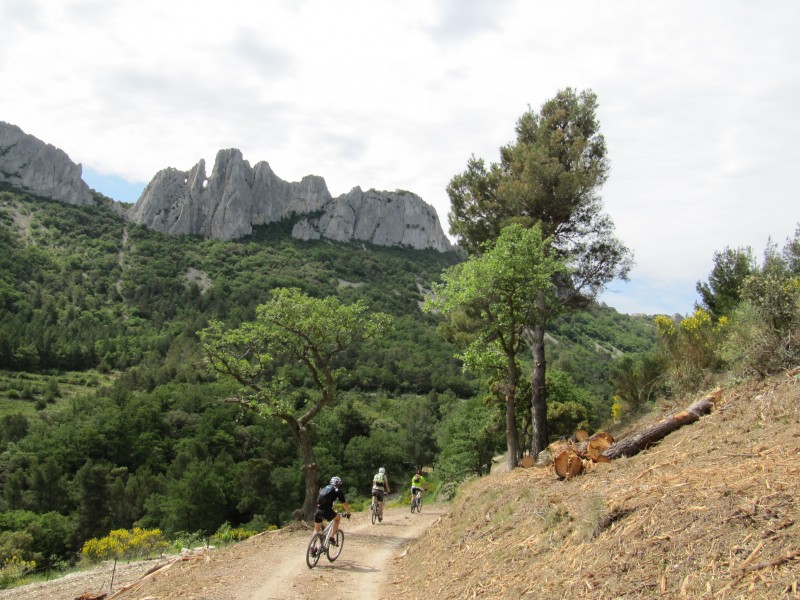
[(327, 495), (378, 479)]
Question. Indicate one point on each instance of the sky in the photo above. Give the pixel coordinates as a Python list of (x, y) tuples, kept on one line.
[(698, 103)]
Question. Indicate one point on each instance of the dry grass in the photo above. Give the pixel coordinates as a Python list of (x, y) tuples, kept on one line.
[(712, 511)]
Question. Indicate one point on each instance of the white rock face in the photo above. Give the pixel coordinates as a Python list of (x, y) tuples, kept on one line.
[(27, 162), (236, 197), (383, 218)]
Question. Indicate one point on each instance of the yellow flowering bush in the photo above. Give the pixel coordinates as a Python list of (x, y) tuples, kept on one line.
[(691, 346), (122, 543), (14, 569), (665, 326), (617, 408)]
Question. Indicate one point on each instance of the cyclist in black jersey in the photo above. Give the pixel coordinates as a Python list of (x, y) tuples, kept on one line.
[(327, 497)]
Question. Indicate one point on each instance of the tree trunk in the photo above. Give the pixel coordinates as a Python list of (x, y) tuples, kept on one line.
[(302, 434), (512, 436), (539, 437), (636, 443)]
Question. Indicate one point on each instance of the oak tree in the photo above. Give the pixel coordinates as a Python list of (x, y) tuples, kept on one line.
[(291, 330)]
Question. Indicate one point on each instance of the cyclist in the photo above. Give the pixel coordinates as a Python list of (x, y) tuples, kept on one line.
[(380, 486), (417, 484), (327, 496)]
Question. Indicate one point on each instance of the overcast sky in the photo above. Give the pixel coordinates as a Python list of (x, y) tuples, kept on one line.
[(698, 101)]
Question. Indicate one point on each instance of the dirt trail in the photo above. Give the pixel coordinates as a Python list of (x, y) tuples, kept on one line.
[(360, 571), (271, 566)]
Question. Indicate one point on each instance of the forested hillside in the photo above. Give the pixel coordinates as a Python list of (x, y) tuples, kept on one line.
[(110, 418)]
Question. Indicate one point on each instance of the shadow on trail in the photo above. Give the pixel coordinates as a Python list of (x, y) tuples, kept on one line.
[(376, 539), (347, 565)]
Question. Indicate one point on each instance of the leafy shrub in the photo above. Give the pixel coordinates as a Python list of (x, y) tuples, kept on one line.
[(564, 418), (227, 534), (689, 347), (184, 539), (763, 333)]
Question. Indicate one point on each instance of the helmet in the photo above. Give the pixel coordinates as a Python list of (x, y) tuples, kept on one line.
[(381, 470), (336, 481)]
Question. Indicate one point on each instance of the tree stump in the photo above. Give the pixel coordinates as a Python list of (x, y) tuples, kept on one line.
[(567, 463)]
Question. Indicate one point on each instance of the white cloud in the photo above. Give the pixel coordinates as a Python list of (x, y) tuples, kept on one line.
[(697, 102)]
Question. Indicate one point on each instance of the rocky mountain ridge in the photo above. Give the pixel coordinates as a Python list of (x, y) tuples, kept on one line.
[(231, 201), (28, 163)]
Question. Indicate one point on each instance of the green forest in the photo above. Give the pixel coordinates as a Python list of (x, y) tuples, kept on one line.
[(111, 418)]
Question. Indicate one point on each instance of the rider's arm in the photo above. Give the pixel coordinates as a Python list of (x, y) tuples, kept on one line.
[(388, 491)]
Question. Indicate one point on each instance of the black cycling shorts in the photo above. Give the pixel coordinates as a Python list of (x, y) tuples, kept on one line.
[(378, 493), (324, 513)]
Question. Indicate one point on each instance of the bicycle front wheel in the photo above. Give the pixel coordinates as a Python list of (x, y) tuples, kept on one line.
[(335, 551), (314, 551), (374, 513)]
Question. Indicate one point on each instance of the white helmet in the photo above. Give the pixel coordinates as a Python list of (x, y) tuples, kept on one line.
[(382, 471), (336, 481)]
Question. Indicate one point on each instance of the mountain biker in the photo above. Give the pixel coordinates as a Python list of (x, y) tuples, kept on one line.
[(380, 486), (417, 484), (327, 496)]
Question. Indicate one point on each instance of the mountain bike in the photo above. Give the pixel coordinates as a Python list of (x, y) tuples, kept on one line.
[(416, 502), (375, 509), (321, 543)]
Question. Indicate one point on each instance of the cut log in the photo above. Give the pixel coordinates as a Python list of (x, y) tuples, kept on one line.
[(596, 445), (636, 443), (567, 463), (526, 462), (581, 435)]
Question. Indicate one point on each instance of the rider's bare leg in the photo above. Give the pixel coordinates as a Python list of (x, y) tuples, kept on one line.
[(335, 526)]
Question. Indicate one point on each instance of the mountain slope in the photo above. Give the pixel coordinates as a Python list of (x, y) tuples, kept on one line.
[(711, 511)]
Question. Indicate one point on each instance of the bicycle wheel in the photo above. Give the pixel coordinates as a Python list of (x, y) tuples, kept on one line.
[(314, 550), (374, 512), (419, 505), (335, 551)]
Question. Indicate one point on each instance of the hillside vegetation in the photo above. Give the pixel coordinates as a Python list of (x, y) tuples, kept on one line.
[(110, 419)]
